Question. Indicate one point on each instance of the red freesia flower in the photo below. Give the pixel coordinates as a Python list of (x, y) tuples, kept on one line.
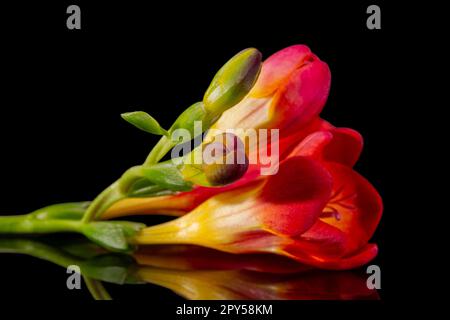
[(289, 94), (316, 209)]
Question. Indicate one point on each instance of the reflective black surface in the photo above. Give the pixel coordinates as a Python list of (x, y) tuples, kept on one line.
[(167, 272), (63, 140)]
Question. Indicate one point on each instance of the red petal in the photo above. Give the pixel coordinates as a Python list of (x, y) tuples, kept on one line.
[(278, 67), (313, 145), (354, 212), (302, 98), (357, 204), (345, 147), (322, 240), (341, 145), (182, 203), (294, 197)]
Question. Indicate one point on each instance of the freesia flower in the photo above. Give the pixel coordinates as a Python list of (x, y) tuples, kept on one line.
[(289, 94), (346, 149), (316, 210), (339, 238)]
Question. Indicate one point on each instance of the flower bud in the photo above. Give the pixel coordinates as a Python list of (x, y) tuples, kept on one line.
[(187, 119), (224, 159), (233, 81)]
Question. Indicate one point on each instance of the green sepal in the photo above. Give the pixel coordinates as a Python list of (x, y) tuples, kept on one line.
[(145, 122), (166, 175), (186, 120), (111, 235), (145, 188)]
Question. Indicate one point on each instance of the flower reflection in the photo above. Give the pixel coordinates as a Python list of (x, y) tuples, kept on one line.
[(242, 284), (190, 257), (205, 274), (198, 273)]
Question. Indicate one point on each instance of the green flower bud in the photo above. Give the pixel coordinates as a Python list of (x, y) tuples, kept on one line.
[(187, 119), (232, 82)]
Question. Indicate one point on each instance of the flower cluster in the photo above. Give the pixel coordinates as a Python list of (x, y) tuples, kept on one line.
[(316, 209), (233, 214)]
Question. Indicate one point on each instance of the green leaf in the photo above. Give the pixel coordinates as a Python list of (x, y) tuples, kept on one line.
[(166, 175), (145, 122)]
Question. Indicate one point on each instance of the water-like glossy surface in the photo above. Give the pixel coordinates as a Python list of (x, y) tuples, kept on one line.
[(169, 272)]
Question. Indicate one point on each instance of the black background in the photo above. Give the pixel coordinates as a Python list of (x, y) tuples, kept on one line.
[(62, 92)]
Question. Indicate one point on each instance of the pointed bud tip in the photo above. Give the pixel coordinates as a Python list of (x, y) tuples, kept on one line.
[(233, 81)]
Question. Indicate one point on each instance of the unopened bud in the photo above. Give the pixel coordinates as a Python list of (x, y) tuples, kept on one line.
[(233, 81), (187, 119), (224, 160)]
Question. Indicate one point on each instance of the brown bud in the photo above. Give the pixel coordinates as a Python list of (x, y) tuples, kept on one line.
[(224, 159)]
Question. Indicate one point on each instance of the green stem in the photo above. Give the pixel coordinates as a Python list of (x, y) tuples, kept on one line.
[(103, 201), (129, 177), (159, 151), (115, 192), (55, 218), (70, 211), (25, 224), (118, 190)]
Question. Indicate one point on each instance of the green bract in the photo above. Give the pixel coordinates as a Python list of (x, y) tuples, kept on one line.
[(167, 175), (111, 235), (144, 121)]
